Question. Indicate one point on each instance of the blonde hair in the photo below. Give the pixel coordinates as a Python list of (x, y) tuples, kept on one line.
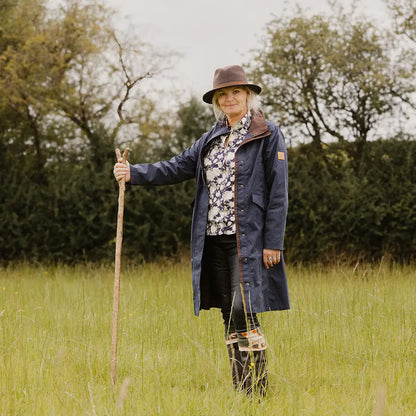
[(253, 103)]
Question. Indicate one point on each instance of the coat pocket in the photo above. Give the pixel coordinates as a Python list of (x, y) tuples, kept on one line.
[(260, 201)]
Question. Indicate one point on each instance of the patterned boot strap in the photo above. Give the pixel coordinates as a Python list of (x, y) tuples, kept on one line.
[(253, 340)]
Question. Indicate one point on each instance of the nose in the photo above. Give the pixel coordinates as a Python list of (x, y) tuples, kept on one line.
[(229, 96)]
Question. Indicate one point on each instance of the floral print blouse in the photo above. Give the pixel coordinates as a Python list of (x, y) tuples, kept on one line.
[(220, 177)]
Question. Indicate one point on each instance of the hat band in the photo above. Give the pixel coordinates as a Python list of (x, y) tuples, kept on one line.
[(230, 84)]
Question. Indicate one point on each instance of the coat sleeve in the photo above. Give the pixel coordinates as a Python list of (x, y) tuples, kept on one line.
[(178, 169), (276, 168)]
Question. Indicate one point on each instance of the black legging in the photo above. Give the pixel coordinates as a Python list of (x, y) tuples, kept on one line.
[(224, 271)]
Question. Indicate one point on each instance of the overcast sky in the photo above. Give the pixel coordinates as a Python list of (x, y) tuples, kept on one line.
[(213, 33)]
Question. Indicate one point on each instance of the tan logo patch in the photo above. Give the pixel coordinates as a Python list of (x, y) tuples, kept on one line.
[(281, 155)]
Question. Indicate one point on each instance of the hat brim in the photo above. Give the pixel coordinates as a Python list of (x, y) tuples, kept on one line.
[(208, 96)]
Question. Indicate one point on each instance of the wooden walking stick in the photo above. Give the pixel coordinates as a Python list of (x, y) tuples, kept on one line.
[(117, 272)]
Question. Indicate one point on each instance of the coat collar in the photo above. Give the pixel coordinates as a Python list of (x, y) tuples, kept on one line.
[(258, 127)]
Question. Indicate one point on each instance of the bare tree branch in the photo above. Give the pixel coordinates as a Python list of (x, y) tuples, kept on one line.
[(129, 82)]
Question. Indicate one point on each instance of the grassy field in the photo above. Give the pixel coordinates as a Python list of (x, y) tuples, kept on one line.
[(347, 347)]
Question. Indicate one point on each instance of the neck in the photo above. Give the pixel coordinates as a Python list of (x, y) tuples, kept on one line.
[(233, 120)]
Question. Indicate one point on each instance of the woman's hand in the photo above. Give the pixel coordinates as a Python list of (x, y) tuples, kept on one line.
[(270, 257), (122, 170)]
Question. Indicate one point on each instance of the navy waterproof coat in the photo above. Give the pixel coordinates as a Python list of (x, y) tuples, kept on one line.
[(261, 201)]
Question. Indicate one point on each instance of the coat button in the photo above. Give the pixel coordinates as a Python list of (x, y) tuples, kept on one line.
[(241, 210), (244, 234), (245, 259), (241, 186)]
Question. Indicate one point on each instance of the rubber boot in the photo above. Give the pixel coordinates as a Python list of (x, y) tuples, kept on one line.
[(254, 377), (252, 346), (235, 360)]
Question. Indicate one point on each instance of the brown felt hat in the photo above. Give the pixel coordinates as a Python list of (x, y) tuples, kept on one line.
[(229, 76)]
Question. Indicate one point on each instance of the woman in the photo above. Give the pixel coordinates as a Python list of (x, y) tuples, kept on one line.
[(239, 218)]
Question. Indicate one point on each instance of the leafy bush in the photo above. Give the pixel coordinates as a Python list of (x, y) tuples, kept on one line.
[(348, 205)]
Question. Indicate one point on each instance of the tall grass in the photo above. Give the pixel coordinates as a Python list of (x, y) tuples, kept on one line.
[(349, 336)]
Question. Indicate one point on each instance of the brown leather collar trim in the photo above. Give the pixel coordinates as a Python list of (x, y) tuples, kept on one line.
[(258, 127)]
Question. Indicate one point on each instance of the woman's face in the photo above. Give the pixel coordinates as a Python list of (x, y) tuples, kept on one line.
[(233, 102)]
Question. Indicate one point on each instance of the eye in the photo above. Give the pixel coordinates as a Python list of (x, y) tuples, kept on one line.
[(236, 91)]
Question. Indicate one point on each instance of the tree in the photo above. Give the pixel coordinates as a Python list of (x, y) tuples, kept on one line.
[(404, 19), (329, 77), (404, 14), (64, 73), (68, 69)]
